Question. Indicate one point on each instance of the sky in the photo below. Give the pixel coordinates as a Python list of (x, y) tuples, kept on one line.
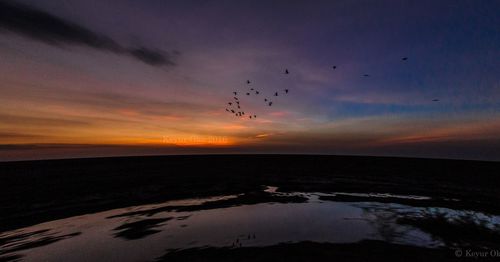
[(85, 78)]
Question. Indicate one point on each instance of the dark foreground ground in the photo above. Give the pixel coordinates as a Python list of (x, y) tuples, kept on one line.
[(368, 250), (37, 191)]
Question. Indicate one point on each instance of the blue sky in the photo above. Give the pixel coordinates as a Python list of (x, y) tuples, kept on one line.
[(143, 70)]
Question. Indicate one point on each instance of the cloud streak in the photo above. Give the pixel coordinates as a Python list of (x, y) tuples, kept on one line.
[(47, 28)]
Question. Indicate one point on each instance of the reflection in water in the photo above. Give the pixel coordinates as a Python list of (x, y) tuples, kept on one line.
[(242, 199), (258, 219), (15, 241), (457, 229), (7, 238), (140, 229), (10, 257), (149, 210), (306, 251), (380, 195), (451, 228)]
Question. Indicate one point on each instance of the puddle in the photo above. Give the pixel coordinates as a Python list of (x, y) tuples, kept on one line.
[(384, 195), (252, 220)]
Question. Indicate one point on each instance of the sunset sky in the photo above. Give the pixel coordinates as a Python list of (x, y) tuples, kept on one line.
[(127, 77)]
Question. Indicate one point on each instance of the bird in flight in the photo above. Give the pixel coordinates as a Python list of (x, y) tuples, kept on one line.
[(435, 100), (286, 91)]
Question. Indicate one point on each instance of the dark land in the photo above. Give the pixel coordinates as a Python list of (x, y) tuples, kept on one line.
[(37, 191), (32, 192), (367, 250)]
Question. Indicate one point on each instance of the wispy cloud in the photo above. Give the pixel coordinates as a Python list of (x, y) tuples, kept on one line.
[(45, 27)]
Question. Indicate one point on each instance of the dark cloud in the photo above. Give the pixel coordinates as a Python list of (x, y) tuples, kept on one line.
[(39, 121), (13, 135), (152, 57), (50, 29)]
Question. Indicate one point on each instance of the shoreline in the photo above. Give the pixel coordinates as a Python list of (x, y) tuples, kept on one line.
[(38, 191)]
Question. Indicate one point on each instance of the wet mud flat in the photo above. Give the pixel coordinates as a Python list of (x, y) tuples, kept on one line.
[(37, 191), (369, 250), (248, 208), (264, 225)]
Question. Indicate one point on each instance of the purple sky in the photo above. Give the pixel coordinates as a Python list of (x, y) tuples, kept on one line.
[(94, 78)]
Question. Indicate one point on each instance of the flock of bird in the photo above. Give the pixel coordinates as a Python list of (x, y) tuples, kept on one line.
[(235, 106)]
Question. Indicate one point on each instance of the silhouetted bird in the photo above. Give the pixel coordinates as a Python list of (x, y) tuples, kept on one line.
[(235, 93), (254, 116), (257, 92), (276, 94), (286, 71), (238, 102), (270, 103), (366, 75), (232, 111), (404, 58), (286, 91), (250, 117), (265, 99), (227, 110), (230, 103), (243, 113), (248, 94), (239, 107), (235, 98), (334, 67), (251, 89), (435, 100), (248, 81)]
